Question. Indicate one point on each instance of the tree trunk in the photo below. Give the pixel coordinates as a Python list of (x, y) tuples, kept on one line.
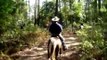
[(56, 8), (96, 10), (36, 12), (70, 4), (99, 6), (60, 5), (38, 18)]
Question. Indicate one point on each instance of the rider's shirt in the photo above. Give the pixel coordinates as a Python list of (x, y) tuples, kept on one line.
[(55, 28)]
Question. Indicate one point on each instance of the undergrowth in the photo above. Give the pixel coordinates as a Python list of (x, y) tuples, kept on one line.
[(17, 40), (93, 45)]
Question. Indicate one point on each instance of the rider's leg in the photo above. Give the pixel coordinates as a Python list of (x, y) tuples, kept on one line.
[(63, 41)]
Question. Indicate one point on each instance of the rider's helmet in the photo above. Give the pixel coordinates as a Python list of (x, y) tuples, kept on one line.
[(55, 19)]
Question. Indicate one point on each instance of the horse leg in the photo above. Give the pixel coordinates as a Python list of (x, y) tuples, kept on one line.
[(56, 52), (50, 49), (60, 51)]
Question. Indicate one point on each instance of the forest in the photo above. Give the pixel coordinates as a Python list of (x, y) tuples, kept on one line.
[(19, 29)]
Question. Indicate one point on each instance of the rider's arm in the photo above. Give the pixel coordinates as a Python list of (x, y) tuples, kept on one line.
[(60, 26)]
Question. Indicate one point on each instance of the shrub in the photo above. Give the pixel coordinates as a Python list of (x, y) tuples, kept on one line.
[(92, 42)]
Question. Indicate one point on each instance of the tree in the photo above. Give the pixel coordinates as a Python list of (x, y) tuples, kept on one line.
[(47, 12), (99, 6), (36, 12), (11, 11), (56, 8)]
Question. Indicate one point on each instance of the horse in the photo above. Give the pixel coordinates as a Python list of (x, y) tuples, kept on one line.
[(54, 48)]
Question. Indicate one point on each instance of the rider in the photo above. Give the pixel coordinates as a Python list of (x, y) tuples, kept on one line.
[(55, 29)]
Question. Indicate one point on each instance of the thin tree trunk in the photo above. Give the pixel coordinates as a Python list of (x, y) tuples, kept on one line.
[(38, 18), (99, 6), (70, 4), (56, 8), (35, 13), (60, 5), (95, 10)]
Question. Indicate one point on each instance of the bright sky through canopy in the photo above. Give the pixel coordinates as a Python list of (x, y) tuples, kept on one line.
[(41, 1), (32, 2)]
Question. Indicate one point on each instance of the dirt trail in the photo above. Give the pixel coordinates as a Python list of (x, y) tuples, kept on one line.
[(40, 53)]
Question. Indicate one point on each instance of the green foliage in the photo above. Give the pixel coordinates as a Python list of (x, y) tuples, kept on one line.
[(10, 13), (47, 11), (92, 41), (18, 32), (4, 56)]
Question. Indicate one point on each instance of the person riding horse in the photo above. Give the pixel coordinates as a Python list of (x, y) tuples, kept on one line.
[(55, 29)]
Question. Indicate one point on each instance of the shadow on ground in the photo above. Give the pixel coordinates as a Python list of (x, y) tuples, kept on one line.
[(40, 53)]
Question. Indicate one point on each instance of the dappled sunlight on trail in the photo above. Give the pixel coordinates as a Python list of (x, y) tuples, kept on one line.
[(40, 53)]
